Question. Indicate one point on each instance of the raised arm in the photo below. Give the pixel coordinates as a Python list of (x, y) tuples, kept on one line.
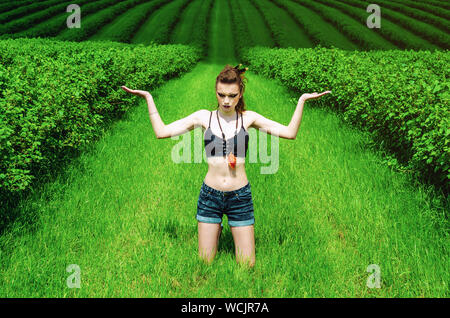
[(283, 131), (269, 126), (161, 130), (182, 125)]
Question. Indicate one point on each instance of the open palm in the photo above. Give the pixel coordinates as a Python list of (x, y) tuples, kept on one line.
[(136, 92), (314, 95)]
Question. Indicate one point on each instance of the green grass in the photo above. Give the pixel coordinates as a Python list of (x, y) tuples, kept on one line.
[(125, 213)]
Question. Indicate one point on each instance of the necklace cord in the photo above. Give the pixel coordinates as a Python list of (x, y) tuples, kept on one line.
[(223, 135)]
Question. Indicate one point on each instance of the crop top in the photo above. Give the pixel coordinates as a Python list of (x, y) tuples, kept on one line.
[(215, 146)]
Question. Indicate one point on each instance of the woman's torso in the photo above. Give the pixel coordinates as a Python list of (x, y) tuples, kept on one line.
[(220, 176)]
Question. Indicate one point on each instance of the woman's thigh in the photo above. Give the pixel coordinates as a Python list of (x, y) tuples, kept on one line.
[(244, 242), (208, 238)]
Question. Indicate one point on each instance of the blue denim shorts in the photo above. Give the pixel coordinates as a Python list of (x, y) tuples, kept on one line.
[(236, 204)]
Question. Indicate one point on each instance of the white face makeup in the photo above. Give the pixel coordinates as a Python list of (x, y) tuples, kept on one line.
[(228, 97)]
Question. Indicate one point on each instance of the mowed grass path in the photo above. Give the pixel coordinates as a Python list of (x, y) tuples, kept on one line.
[(125, 211)]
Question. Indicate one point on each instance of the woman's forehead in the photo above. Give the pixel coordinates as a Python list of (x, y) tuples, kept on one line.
[(228, 88)]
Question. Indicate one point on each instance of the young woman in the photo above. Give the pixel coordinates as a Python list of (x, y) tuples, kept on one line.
[(225, 189)]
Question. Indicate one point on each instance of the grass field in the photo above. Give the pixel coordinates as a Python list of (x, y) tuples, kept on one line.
[(124, 212)]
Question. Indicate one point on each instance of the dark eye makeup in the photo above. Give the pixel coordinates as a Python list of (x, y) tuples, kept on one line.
[(232, 96)]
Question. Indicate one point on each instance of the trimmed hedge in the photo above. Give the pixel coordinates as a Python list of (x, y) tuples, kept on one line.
[(57, 97), (400, 97)]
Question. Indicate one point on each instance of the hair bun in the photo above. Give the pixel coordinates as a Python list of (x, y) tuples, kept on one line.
[(240, 71)]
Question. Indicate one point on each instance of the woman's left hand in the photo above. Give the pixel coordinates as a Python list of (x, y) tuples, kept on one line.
[(314, 95)]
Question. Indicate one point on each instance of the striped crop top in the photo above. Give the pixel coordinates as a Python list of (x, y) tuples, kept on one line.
[(218, 147)]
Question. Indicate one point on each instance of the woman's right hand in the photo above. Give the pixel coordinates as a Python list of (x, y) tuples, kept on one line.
[(136, 92)]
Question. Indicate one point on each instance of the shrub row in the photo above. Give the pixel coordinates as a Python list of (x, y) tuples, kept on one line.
[(241, 30), (310, 25), (200, 31), (57, 97), (11, 5), (133, 22), (12, 25), (415, 26), (168, 19), (428, 7), (400, 97), (26, 8), (417, 14), (348, 26), (55, 26), (281, 39), (389, 30), (92, 24)]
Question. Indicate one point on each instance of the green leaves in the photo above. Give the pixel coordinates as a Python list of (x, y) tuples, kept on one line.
[(400, 97), (59, 96)]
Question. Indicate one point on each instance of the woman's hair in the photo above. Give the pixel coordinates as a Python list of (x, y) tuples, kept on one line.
[(231, 75)]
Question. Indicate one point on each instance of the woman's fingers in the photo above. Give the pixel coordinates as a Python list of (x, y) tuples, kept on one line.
[(126, 89)]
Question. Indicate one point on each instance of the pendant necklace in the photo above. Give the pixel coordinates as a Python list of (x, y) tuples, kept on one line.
[(231, 158)]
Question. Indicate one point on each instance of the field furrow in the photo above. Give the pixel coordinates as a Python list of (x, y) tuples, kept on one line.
[(258, 28), (427, 32), (123, 28), (389, 30), (364, 37), (287, 32), (26, 9), (159, 24), (221, 43), (438, 11), (319, 30), (12, 5), (418, 15), (94, 22), (56, 24)]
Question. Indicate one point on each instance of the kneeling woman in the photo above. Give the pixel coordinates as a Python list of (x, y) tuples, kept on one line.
[(225, 189)]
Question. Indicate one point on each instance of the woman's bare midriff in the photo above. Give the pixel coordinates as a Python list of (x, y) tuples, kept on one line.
[(221, 177)]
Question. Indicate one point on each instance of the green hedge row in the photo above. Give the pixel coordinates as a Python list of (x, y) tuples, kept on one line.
[(56, 97), (53, 27), (96, 21), (423, 30), (11, 5), (12, 25), (199, 33), (400, 97), (26, 9), (129, 27)]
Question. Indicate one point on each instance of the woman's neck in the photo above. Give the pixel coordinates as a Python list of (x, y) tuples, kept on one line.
[(227, 117)]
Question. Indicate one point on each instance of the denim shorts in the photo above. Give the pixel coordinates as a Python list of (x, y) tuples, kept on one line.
[(236, 204)]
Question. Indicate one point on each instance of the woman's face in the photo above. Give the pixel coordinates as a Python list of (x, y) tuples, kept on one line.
[(227, 96)]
